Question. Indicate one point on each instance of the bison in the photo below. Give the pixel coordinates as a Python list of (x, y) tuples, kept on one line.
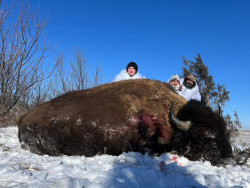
[(139, 115)]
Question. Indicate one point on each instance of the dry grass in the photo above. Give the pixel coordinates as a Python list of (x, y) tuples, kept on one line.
[(12, 117)]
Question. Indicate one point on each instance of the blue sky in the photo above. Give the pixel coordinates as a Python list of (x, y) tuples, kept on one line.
[(156, 34)]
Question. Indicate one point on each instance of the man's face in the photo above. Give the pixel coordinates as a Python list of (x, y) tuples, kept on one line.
[(189, 83), (131, 71), (175, 83)]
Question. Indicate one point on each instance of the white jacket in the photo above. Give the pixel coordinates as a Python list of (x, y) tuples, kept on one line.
[(179, 90), (123, 75), (191, 94)]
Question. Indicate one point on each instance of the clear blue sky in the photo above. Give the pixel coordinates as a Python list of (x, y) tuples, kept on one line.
[(156, 34)]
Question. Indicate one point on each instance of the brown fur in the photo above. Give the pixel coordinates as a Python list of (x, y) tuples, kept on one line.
[(112, 118)]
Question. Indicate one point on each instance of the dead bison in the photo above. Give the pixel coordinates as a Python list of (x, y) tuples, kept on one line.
[(123, 116)]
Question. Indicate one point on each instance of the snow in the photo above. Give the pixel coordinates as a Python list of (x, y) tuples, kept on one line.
[(241, 141), (21, 168)]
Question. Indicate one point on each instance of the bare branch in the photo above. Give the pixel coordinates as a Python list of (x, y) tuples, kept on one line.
[(22, 54)]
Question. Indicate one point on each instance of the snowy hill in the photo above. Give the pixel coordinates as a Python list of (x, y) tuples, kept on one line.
[(20, 168)]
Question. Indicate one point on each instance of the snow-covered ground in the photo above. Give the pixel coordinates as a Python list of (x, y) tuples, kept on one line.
[(20, 168), (242, 141)]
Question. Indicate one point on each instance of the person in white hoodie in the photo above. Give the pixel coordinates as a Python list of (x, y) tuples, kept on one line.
[(190, 88), (131, 72), (174, 81)]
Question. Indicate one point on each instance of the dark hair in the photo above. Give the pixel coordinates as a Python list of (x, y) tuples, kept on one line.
[(132, 64)]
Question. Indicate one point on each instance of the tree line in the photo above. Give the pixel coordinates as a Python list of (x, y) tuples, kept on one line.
[(28, 77)]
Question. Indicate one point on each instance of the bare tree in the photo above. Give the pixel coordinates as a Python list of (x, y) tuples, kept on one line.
[(23, 51), (25, 72), (98, 76), (79, 71), (77, 75)]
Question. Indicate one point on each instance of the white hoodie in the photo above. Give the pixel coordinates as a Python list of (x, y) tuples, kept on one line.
[(191, 94), (123, 75), (177, 88)]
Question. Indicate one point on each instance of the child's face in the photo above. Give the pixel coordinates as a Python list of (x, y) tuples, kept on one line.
[(131, 71), (175, 83)]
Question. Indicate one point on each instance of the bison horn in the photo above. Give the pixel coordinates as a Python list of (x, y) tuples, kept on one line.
[(182, 125)]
